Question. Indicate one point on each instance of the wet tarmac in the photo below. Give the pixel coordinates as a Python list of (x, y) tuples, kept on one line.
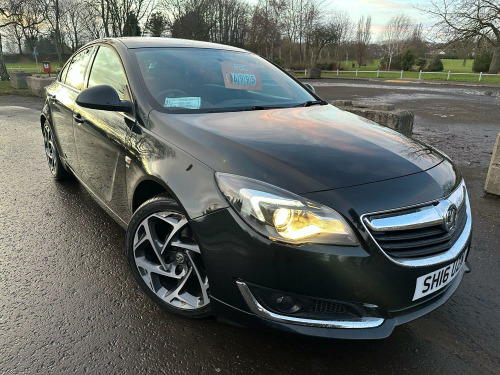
[(68, 303)]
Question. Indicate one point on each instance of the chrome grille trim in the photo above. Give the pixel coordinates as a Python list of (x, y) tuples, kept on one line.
[(419, 217), (444, 257)]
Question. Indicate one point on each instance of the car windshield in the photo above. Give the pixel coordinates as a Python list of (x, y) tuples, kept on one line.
[(209, 80)]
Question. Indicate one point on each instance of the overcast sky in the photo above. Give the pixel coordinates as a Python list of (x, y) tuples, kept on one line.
[(382, 10)]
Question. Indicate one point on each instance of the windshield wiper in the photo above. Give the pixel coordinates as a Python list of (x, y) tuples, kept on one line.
[(255, 108), (312, 102)]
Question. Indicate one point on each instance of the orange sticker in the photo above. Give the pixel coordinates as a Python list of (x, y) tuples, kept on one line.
[(241, 76)]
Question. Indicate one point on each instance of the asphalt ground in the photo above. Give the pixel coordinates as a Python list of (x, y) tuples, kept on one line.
[(68, 303)]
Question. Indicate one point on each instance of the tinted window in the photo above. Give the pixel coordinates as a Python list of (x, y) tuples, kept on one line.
[(76, 71), (210, 80), (107, 70)]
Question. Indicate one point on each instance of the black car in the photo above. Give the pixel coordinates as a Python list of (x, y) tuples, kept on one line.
[(246, 196)]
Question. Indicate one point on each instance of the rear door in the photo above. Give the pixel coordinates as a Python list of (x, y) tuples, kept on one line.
[(62, 101), (101, 136)]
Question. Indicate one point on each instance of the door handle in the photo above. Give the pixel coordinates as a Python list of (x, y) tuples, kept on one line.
[(78, 118), (51, 96)]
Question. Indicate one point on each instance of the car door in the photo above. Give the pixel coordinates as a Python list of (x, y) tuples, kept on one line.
[(101, 136), (62, 100)]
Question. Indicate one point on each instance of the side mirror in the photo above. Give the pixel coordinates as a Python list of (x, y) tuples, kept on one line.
[(310, 87), (103, 97)]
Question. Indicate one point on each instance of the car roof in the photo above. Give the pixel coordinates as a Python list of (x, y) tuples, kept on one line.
[(155, 42)]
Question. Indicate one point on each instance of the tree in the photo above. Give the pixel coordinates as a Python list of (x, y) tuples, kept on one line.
[(407, 59), (264, 30), (363, 38), (157, 24), (53, 16), (10, 12), (465, 19), (435, 65), (395, 37), (482, 62), (321, 36), (131, 26)]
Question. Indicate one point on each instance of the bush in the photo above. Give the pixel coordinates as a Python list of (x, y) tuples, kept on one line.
[(421, 63), (279, 61), (482, 62), (407, 59), (327, 66), (435, 65), (395, 64)]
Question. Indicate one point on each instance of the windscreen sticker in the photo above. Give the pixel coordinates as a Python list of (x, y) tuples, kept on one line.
[(189, 102), (241, 76)]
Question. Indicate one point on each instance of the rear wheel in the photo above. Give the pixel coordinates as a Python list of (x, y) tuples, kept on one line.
[(165, 258), (55, 165)]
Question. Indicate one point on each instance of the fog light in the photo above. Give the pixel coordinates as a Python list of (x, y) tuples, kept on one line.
[(287, 304)]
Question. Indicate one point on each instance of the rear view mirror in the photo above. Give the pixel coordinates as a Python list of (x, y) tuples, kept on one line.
[(103, 97), (310, 87)]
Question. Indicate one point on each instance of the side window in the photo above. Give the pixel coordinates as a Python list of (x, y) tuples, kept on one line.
[(76, 71), (107, 70), (62, 75)]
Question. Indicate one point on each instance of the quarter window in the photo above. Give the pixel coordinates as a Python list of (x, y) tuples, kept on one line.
[(76, 71), (107, 70)]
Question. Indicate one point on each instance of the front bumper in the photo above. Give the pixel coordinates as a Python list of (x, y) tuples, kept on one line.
[(231, 315), (236, 256)]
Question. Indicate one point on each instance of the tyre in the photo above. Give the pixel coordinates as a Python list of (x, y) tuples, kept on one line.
[(55, 165), (165, 258)]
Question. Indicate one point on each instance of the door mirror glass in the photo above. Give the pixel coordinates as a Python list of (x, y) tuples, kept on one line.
[(309, 87), (102, 97)]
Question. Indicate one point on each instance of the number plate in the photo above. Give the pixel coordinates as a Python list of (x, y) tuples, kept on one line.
[(438, 279)]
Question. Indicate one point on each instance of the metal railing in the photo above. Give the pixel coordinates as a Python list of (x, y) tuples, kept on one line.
[(401, 73)]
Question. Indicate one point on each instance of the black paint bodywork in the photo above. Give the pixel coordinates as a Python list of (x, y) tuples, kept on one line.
[(320, 152)]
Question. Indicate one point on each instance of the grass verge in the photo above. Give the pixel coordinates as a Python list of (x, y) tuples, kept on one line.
[(6, 89)]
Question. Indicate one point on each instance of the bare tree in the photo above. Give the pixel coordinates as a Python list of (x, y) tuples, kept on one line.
[(11, 12), (363, 39), (72, 23), (396, 36), (466, 19), (323, 35), (264, 30), (91, 19), (25, 22), (14, 34), (230, 21)]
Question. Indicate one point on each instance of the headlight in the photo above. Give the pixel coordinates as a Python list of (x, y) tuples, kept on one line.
[(284, 216)]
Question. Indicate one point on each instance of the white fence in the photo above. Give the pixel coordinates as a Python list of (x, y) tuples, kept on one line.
[(30, 69), (400, 73)]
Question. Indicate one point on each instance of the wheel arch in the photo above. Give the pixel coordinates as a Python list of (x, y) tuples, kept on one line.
[(147, 188)]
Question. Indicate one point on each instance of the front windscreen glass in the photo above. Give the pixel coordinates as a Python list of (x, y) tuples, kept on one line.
[(209, 80)]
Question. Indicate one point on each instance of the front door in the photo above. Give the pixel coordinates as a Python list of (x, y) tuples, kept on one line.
[(101, 136)]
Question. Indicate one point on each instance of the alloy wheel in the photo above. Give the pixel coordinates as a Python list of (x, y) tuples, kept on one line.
[(169, 261), (50, 150)]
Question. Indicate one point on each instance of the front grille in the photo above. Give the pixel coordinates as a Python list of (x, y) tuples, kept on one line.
[(421, 242)]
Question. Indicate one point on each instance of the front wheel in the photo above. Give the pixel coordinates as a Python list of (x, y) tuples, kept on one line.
[(165, 258)]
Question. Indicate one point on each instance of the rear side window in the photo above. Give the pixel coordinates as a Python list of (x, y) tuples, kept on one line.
[(76, 71), (107, 70)]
